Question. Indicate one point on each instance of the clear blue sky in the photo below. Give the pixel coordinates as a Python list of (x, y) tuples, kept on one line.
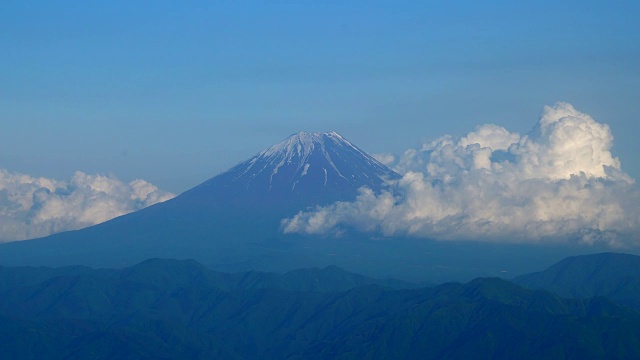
[(176, 91)]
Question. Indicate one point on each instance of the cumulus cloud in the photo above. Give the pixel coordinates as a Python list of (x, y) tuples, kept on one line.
[(33, 207), (385, 158), (559, 182)]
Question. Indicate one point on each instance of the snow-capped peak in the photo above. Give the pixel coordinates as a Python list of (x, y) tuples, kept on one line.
[(319, 167), (300, 144)]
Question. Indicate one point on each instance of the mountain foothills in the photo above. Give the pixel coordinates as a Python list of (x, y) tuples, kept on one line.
[(233, 222), (612, 275), (179, 309)]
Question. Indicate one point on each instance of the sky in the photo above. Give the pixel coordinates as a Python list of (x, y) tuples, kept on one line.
[(172, 93)]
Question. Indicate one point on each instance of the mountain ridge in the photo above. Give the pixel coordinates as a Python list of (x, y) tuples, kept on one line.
[(613, 275), (137, 313)]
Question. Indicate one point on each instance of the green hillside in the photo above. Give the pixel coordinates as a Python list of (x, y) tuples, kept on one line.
[(180, 309)]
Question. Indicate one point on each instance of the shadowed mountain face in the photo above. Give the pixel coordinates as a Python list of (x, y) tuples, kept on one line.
[(180, 309), (614, 275)]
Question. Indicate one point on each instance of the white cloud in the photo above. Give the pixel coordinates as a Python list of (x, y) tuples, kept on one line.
[(385, 158), (33, 207), (566, 142), (560, 182)]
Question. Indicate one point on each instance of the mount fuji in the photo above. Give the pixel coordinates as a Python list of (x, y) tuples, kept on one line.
[(231, 220), (306, 169)]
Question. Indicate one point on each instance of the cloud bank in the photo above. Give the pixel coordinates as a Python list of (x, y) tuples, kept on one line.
[(34, 207), (559, 182)]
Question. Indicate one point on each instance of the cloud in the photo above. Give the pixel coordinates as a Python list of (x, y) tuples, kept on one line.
[(559, 182), (34, 207), (385, 158)]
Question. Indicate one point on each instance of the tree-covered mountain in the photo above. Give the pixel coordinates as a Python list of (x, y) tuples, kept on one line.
[(613, 275), (166, 309)]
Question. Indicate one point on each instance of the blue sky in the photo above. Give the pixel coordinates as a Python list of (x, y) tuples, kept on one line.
[(175, 92)]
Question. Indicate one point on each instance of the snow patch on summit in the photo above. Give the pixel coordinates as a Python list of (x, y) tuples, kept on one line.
[(301, 171), (311, 160)]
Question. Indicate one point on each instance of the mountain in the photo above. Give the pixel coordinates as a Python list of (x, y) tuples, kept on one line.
[(232, 221), (306, 169), (613, 275), (171, 273), (165, 309)]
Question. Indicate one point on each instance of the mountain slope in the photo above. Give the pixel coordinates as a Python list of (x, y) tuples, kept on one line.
[(306, 169), (221, 220), (179, 309), (232, 223), (614, 275)]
